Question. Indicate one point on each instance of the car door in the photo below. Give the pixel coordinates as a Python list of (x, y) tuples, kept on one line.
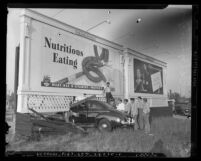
[(94, 108), (81, 114)]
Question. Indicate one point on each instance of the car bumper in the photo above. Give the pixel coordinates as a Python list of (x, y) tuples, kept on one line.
[(130, 123), (187, 113)]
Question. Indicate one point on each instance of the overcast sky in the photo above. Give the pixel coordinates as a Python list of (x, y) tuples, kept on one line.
[(168, 40)]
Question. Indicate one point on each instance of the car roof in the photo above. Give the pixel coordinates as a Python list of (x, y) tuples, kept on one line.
[(102, 103), (92, 100), (84, 100)]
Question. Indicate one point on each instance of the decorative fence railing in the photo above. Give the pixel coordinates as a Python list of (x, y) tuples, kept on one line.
[(51, 103)]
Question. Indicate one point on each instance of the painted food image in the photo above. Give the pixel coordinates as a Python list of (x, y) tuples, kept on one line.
[(91, 64)]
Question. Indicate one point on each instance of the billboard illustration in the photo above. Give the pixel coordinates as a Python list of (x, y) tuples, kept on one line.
[(71, 63), (148, 78)]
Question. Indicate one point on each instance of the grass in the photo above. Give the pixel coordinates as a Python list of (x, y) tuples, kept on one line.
[(173, 133)]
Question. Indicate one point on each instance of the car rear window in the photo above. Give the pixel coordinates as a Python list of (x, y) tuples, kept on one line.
[(95, 105), (107, 105)]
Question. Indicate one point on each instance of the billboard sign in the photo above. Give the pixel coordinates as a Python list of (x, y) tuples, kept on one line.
[(73, 62), (148, 78), (156, 81)]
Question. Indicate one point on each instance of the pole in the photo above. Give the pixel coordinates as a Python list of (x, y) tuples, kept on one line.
[(105, 21), (15, 88)]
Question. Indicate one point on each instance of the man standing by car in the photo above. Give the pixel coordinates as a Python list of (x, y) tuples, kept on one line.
[(127, 106), (112, 103), (120, 105), (145, 115), (134, 112), (139, 105)]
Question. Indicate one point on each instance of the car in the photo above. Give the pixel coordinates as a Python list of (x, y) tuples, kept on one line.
[(183, 109), (187, 112), (93, 113)]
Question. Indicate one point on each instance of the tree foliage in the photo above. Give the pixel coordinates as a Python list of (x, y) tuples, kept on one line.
[(177, 97), (11, 99)]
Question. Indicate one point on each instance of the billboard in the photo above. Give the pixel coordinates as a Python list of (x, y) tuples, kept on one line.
[(148, 78), (69, 61)]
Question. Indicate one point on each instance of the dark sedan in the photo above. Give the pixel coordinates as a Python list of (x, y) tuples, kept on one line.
[(93, 113), (183, 109)]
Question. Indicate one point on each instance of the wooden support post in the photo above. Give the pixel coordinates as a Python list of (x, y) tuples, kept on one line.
[(15, 90), (66, 116)]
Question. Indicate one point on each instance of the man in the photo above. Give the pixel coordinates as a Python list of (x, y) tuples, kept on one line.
[(112, 103), (145, 114), (134, 111), (120, 105), (127, 106), (139, 106), (107, 91)]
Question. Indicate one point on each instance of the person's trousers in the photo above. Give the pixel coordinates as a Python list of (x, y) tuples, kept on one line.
[(146, 122), (108, 97), (136, 122), (140, 119)]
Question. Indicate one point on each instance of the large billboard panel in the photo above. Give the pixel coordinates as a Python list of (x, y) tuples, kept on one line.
[(69, 61), (148, 78)]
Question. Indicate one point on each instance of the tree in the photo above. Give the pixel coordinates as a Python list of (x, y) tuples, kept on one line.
[(174, 95), (11, 99), (177, 96)]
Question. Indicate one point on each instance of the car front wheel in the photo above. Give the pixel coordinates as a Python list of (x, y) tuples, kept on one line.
[(104, 125)]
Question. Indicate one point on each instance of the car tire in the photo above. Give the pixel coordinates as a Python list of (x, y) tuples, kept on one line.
[(104, 125)]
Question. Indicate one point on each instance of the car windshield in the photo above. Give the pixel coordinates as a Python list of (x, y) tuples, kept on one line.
[(107, 105)]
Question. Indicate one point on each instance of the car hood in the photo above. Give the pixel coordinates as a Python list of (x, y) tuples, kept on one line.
[(116, 113)]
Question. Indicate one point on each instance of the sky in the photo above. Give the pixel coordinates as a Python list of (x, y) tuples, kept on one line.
[(165, 35), (168, 40), (13, 38)]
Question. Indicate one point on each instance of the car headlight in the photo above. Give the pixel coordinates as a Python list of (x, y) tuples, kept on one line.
[(118, 120), (75, 114)]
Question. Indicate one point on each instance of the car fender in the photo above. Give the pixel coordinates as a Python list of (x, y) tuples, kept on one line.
[(104, 116)]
